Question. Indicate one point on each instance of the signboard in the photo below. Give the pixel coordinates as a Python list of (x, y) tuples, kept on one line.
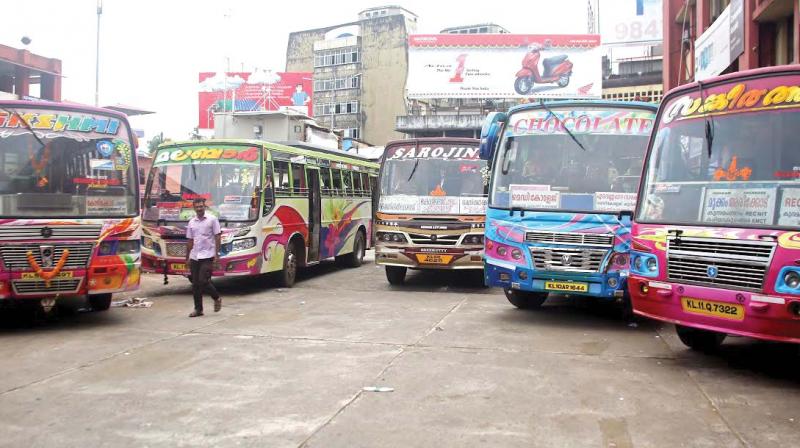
[(433, 151), (789, 214), (630, 22), (721, 43), (106, 205), (739, 205), (261, 90), (614, 201), (504, 66), (205, 154), (533, 197), (434, 205), (611, 121)]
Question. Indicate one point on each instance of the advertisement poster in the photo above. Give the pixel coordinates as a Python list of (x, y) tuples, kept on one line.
[(790, 208), (614, 201), (103, 205), (721, 43), (533, 197), (504, 66), (609, 121), (260, 90), (473, 206), (447, 205), (740, 206), (630, 22)]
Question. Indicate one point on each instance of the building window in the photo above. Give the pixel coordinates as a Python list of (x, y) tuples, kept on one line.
[(350, 82), (347, 107), (352, 133), (337, 56)]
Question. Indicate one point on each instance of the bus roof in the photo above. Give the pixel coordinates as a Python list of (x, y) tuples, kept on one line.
[(585, 103), (61, 105), (464, 140), (305, 149), (753, 73)]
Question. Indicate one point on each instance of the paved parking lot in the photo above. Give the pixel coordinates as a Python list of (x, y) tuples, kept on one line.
[(287, 368)]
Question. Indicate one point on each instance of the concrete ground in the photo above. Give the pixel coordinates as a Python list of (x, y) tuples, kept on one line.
[(287, 368)]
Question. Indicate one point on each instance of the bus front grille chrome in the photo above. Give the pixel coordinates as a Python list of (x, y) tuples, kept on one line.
[(567, 259), (729, 264), (435, 240), (16, 256), (40, 286), (578, 239)]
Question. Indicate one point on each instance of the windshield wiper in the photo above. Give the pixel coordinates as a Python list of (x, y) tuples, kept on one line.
[(25, 123), (413, 170), (571, 135), (708, 120)]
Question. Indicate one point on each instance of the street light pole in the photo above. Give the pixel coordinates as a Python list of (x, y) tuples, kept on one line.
[(97, 57)]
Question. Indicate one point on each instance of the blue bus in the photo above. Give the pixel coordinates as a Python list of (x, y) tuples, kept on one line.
[(564, 177)]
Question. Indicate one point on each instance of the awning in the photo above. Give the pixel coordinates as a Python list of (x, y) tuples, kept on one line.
[(128, 110)]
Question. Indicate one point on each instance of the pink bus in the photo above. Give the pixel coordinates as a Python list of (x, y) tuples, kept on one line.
[(716, 246)]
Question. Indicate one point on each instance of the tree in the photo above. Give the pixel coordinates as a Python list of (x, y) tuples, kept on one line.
[(152, 145)]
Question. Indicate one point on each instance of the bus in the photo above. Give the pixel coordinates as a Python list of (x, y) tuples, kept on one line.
[(564, 180), (69, 204), (432, 206), (280, 207), (715, 235)]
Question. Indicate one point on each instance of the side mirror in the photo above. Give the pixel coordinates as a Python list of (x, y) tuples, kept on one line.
[(490, 133)]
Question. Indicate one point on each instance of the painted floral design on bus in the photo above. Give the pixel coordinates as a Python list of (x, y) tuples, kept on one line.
[(341, 227), (290, 222)]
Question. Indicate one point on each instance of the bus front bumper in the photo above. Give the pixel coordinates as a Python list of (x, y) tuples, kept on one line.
[(506, 275), (228, 266), (761, 316), (429, 257)]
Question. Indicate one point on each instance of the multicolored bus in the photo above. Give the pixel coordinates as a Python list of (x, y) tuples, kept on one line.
[(432, 206), (280, 207), (69, 204), (564, 180), (716, 246)]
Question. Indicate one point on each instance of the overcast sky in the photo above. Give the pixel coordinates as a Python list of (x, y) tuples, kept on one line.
[(152, 50)]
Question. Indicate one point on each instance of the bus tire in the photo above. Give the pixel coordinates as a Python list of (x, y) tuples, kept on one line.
[(100, 302), (700, 340), (291, 261), (356, 258), (396, 275), (525, 300)]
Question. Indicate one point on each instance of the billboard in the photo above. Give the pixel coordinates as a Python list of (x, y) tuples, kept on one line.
[(260, 90), (630, 22), (504, 66), (721, 43)]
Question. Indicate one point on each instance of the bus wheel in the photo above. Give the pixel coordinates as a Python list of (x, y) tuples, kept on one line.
[(287, 276), (701, 340), (525, 300), (355, 258), (396, 274), (100, 302)]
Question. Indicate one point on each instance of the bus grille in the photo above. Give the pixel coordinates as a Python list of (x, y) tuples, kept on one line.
[(435, 240), (176, 249), (67, 285), (582, 239), (730, 264), (16, 256), (87, 231), (568, 260)]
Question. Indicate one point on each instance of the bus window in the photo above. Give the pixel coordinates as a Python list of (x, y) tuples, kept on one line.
[(337, 182), (298, 178), (325, 182), (358, 185), (347, 182), (281, 171)]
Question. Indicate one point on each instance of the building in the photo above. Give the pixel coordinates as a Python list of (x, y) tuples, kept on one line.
[(769, 35), (26, 75), (359, 71), (274, 126), (481, 28), (636, 78)]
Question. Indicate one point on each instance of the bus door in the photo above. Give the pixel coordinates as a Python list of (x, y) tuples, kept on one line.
[(314, 214)]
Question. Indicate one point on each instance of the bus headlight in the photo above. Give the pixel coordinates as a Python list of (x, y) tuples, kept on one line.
[(391, 237), (792, 279), (516, 254), (473, 239), (652, 264), (243, 244)]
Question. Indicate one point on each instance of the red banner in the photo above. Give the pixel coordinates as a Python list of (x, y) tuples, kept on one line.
[(260, 90)]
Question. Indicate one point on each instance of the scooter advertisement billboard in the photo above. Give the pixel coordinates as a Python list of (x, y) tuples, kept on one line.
[(504, 66)]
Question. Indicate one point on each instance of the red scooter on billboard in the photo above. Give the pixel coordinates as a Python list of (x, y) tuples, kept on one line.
[(557, 69)]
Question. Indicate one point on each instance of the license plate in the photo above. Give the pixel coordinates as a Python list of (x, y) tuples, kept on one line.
[(566, 286), (178, 266), (35, 276), (434, 258), (731, 311)]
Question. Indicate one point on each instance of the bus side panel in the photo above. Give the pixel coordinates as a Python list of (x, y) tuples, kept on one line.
[(289, 217), (341, 219)]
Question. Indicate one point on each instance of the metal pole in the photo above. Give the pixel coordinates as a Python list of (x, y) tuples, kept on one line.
[(97, 58)]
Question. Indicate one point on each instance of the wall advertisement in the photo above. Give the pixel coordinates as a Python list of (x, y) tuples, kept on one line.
[(721, 43), (630, 22), (504, 66)]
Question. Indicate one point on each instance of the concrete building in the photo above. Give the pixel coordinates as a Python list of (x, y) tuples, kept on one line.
[(274, 126), (481, 28), (770, 35), (635, 78), (359, 71), (20, 70)]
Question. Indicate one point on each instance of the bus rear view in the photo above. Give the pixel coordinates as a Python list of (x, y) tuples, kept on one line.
[(432, 206), (564, 179)]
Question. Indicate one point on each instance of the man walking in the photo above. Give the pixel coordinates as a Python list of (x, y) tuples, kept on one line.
[(202, 253)]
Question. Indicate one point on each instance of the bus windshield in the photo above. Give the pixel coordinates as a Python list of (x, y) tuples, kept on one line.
[(227, 177), (540, 166), (433, 178), (750, 175), (65, 164)]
